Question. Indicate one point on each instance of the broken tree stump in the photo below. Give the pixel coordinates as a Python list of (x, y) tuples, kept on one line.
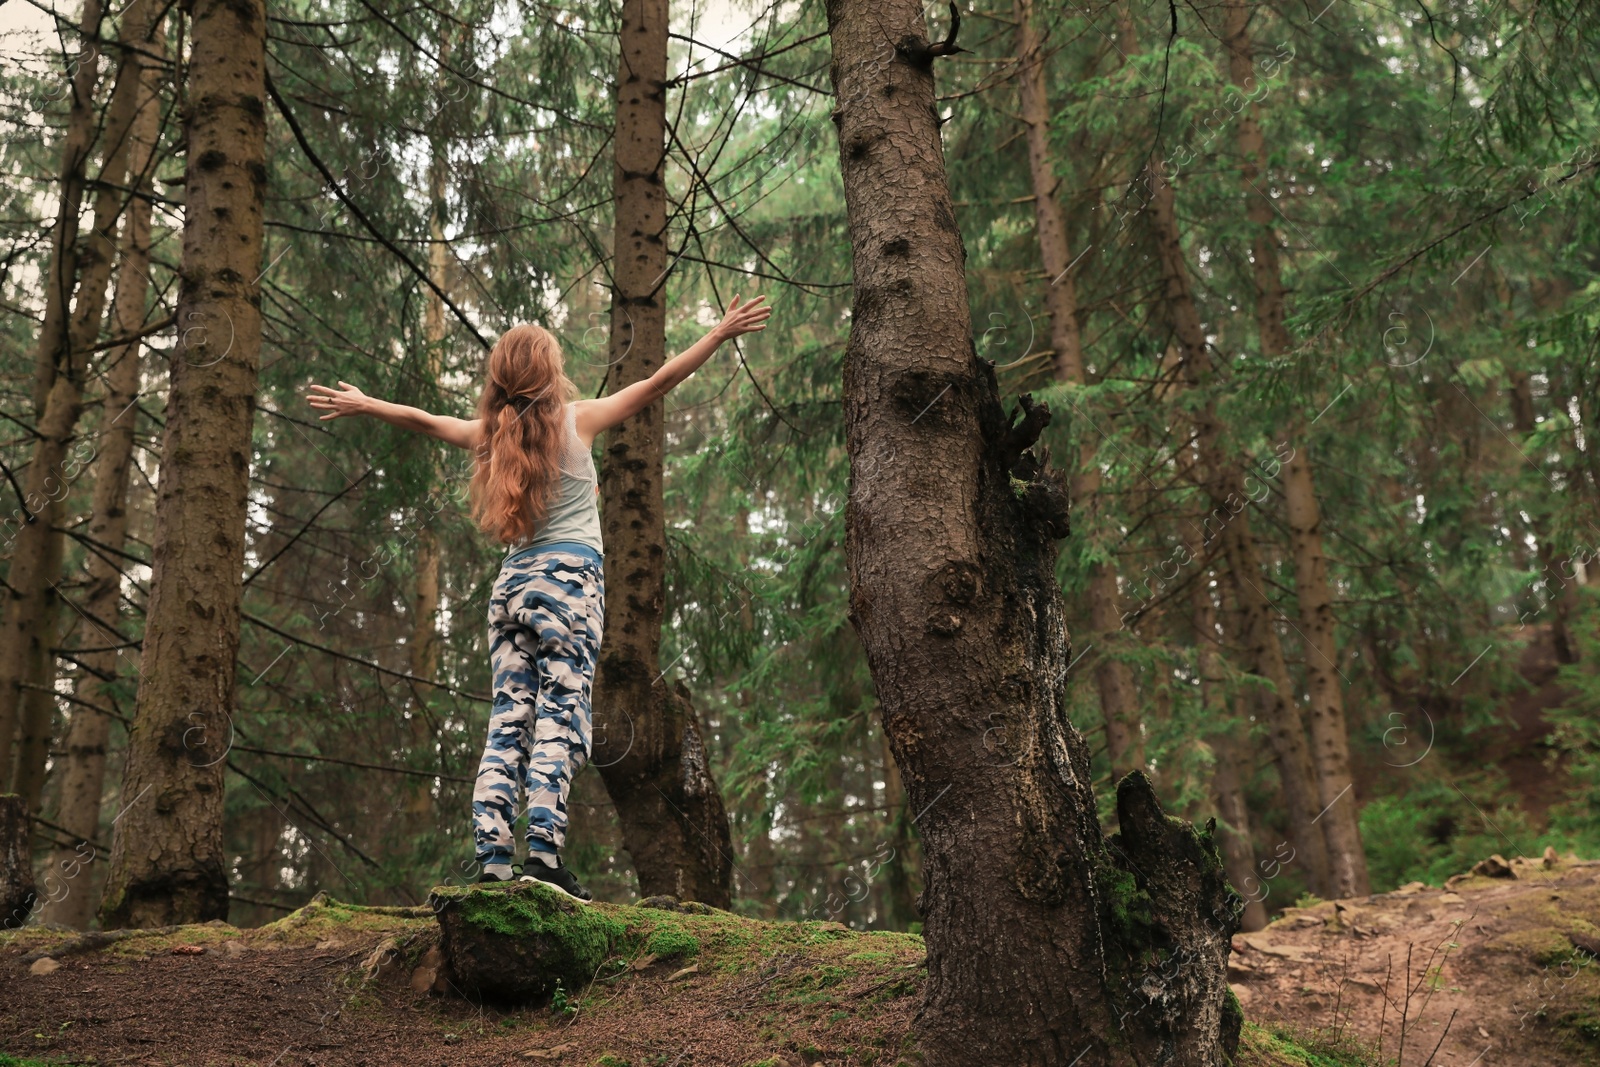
[(17, 892)]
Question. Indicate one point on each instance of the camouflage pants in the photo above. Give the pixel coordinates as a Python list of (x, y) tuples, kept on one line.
[(545, 620)]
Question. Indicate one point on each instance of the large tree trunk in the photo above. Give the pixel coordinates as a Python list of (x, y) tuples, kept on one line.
[(1041, 934), (899, 903), (648, 743), (167, 862), (1118, 699), (83, 767), (1330, 744), (60, 359)]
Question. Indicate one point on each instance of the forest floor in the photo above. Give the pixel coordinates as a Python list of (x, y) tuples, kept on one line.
[(1502, 969)]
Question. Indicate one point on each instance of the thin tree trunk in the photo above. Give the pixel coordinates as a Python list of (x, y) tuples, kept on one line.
[(36, 553), (61, 276), (31, 621), (1229, 519), (1036, 951), (1296, 772), (167, 860), (1118, 698), (1551, 565), (83, 768), (1237, 841), (1330, 744), (423, 647), (648, 742)]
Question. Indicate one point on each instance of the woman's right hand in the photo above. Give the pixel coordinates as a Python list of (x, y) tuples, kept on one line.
[(345, 400), (742, 319)]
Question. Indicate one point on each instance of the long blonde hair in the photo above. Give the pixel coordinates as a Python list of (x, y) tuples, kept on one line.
[(519, 461)]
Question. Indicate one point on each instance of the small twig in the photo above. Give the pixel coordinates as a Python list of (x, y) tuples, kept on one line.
[(1435, 1052), (1383, 1017), (1338, 1000), (1405, 1011), (948, 46)]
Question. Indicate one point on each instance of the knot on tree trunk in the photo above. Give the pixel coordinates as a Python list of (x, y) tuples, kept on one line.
[(1040, 491)]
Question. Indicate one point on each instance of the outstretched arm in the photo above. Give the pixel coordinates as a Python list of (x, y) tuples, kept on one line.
[(593, 417), (348, 400)]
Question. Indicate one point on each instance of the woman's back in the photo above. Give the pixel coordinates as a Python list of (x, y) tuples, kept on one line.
[(573, 513)]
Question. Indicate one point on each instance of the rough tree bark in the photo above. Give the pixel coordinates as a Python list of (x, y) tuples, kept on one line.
[(1043, 936), (18, 892), (83, 768), (648, 745), (1118, 698), (167, 862), (1330, 744)]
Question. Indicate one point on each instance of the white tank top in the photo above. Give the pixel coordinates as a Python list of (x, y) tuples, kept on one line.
[(574, 510)]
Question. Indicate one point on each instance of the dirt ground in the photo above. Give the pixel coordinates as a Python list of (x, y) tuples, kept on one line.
[(1487, 972), (1502, 972), (300, 994)]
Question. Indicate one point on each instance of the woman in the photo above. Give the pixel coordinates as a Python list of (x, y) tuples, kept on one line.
[(534, 490)]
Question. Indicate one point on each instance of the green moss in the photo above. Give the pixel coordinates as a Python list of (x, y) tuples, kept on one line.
[(1279, 1047), (581, 937), (1547, 947), (671, 940), (826, 976), (1232, 1013), (608, 1060), (1127, 904), (13, 1061), (1586, 1025), (324, 918)]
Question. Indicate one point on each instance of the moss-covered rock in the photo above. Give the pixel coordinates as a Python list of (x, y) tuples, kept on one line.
[(516, 941), (513, 942)]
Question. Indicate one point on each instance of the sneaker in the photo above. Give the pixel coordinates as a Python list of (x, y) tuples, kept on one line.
[(493, 879), (557, 877)]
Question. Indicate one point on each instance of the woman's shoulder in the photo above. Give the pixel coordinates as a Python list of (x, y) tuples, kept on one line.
[(586, 428)]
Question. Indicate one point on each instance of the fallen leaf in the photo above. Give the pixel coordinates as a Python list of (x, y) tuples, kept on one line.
[(44, 965), (643, 961), (427, 973), (693, 968), (381, 958)]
